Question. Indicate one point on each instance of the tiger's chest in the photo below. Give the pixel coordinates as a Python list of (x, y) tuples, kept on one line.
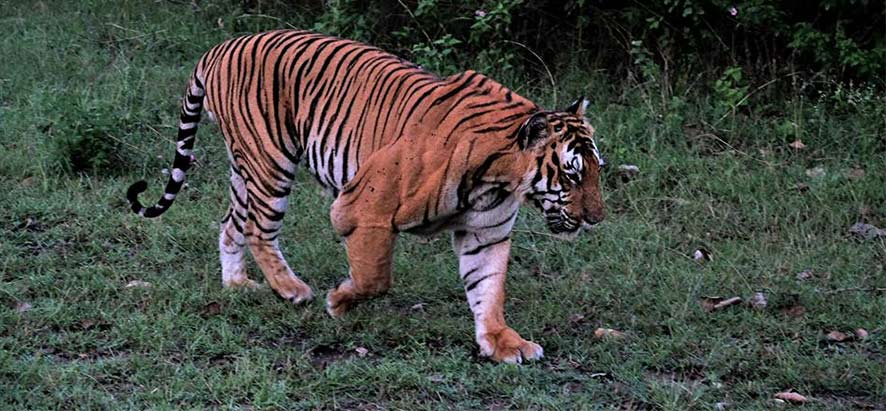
[(486, 208)]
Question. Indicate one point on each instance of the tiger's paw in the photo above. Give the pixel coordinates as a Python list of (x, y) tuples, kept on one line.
[(292, 289), (298, 295), (301, 297), (340, 299), (244, 283), (507, 346)]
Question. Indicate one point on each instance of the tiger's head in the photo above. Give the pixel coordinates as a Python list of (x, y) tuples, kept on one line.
[(563, 180)]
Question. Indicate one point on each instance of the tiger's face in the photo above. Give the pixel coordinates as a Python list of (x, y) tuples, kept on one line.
[(564, 180)]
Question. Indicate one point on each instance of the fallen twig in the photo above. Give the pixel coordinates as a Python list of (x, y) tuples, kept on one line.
[(848, 289)]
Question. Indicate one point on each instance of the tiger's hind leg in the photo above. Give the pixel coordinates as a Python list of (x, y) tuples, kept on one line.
[(266, 204), (232, 240)]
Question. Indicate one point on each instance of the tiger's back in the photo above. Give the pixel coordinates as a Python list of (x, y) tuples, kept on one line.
[(335, 102)]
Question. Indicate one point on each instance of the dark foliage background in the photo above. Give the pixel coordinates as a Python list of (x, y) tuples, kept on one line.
[(674, 39)]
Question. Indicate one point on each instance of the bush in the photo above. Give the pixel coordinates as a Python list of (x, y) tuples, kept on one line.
[(88, 139)]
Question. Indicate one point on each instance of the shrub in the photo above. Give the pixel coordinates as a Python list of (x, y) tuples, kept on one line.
[(87, 138)]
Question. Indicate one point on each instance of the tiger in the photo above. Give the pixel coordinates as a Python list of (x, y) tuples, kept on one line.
[(401, 149)]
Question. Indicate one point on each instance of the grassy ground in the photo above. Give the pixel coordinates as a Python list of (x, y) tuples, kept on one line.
[(72, 336)]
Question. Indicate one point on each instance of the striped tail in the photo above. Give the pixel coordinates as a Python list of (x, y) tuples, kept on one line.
[(192, 106)]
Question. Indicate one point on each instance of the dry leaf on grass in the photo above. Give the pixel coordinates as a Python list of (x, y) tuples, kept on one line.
[(138, 284), (794, 311), (361, 351), (716, 303), (574, 318), (837, 336), (867, 231), (855, 173), (792, 397), (865, 210), (436, 378), (601, 333), (211, 309), (797, 144), (418, 307), (23, 306), (861, 333), (816, 172), (88, 323), (758, 301), (805, 274)]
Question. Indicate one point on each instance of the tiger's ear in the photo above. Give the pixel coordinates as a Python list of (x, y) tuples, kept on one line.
[(578, 107), (533, 131)]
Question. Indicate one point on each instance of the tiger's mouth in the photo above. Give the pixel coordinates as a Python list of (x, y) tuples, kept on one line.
[(565, 227)]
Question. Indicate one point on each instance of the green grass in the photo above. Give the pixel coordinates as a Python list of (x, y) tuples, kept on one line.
[(69, 245)]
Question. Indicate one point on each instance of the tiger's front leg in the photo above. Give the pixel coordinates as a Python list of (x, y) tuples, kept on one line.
[(370, 251), (483, 263)]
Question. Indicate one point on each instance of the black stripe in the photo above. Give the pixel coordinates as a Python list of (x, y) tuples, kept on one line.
[(481, 247), (474, 284), (502, 222)]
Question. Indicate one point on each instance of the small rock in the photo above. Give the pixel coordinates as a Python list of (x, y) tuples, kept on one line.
[(861, 333), (797, 144), (418, 307), (702, 255), (816, 172), (758, 301), (628, 172)]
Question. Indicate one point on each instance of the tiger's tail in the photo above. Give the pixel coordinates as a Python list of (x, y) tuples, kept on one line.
[(192, 106)]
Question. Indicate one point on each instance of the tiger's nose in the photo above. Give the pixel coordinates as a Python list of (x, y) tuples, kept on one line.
[(594, 218)]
